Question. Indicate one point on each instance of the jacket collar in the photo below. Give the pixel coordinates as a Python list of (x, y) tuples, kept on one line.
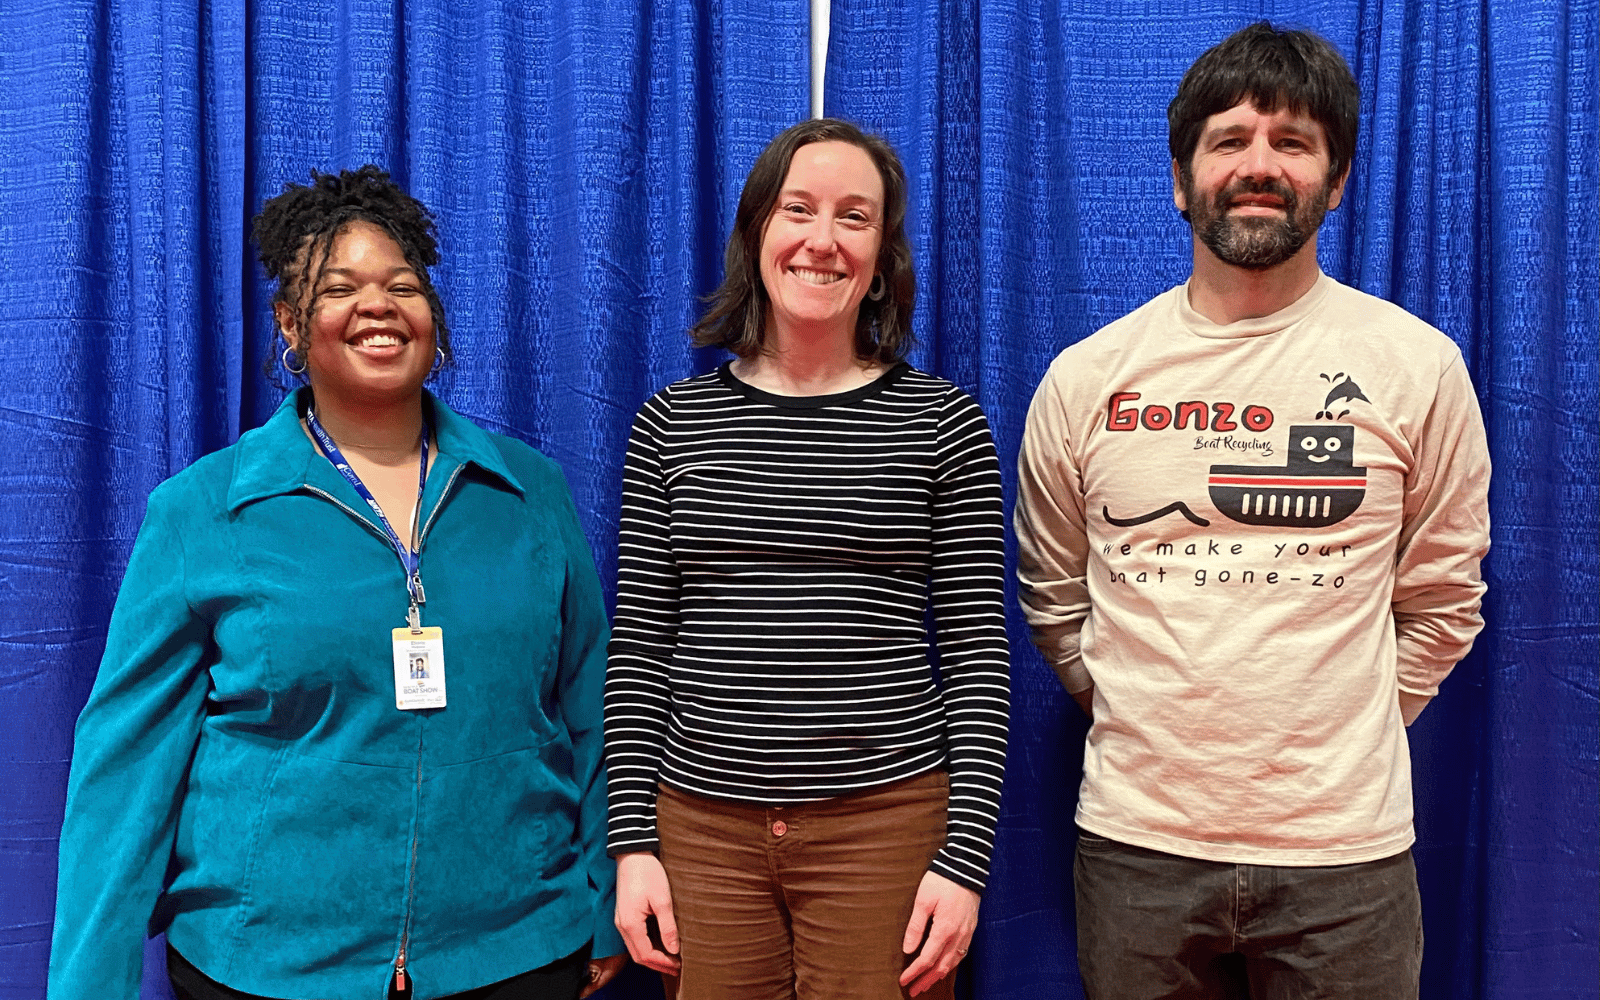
[(277, 457)]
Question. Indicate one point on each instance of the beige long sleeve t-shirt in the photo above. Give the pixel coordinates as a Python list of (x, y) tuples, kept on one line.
[(1255, 541)]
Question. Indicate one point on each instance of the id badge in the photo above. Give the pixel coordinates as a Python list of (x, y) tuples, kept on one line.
[(418, 668)]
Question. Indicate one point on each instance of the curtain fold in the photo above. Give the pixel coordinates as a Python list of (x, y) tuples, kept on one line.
[(1034, 133), (583, 159)]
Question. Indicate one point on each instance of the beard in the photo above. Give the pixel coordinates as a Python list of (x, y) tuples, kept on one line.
[(1256, 242)]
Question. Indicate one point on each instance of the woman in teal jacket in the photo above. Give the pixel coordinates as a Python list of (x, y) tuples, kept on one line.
[(346, 737)]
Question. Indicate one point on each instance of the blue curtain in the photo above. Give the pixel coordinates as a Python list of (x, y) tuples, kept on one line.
[(583, 156), (1035, 135)]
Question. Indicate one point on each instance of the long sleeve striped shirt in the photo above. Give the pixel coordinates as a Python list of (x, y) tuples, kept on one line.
[(777, 562)]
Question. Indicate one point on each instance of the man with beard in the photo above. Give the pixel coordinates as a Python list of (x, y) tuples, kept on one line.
[(1250, 520)]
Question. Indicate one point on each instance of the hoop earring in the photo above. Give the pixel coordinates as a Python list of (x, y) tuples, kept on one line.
[(878, 287), (438, 361), (291, 369)]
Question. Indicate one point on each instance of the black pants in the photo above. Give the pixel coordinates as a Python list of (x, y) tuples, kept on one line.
[(560, 980), (1154, 925)]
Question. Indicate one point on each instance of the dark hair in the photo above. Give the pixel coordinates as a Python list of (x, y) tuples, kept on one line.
[(737, 316), (1273, 68), (296, 229)]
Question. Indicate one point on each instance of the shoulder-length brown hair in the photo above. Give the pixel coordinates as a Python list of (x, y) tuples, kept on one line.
[(737, 317)]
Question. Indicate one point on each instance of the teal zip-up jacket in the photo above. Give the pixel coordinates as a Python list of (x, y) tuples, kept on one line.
[(242, 738)]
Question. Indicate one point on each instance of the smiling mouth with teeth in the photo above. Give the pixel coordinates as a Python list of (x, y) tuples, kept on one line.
[(377, 340), (816, 277)]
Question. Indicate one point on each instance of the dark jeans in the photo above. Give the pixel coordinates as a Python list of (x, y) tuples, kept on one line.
[(560, 980), (1154, 925)]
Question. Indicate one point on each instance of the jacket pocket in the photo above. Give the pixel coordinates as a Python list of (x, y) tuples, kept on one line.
[(295, 865)]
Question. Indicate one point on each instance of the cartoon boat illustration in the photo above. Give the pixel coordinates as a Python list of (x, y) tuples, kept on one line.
[(1316, 487)]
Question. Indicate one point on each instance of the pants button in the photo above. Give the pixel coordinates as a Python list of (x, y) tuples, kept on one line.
[(780, 828)]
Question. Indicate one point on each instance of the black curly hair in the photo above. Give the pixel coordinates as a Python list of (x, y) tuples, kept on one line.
[(296, 229)]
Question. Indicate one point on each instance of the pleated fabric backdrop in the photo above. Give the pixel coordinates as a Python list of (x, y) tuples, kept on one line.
[(583, 156), (1035, 134)]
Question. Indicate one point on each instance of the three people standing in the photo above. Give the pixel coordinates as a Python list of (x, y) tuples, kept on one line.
[(1250, 520)]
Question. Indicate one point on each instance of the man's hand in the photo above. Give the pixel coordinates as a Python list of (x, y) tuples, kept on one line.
[(642, 893), (602, 971), (953, 911)]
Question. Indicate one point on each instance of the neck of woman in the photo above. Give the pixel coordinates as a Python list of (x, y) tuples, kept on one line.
[(803, 361), (384, 432)]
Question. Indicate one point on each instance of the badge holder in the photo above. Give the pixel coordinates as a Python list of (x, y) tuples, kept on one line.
[(418, 668)]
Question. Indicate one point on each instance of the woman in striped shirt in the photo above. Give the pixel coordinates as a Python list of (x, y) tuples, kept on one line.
[(802, 804)]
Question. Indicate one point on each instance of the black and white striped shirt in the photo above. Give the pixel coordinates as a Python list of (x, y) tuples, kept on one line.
[(777, 558)]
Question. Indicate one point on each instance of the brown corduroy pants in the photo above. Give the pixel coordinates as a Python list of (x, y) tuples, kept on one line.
[(800, 902)]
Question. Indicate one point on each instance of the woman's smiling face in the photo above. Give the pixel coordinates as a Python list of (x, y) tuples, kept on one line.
[(371, 331), (819, 250)]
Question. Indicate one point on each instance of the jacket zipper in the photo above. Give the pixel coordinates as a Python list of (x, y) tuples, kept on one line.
[(401, 985), (411, 879), (449, 484)]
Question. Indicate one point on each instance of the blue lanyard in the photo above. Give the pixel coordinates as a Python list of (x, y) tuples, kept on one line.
[(412, 561)]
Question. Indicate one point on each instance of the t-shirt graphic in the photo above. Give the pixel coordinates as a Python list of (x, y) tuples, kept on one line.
[(1318, 484)]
